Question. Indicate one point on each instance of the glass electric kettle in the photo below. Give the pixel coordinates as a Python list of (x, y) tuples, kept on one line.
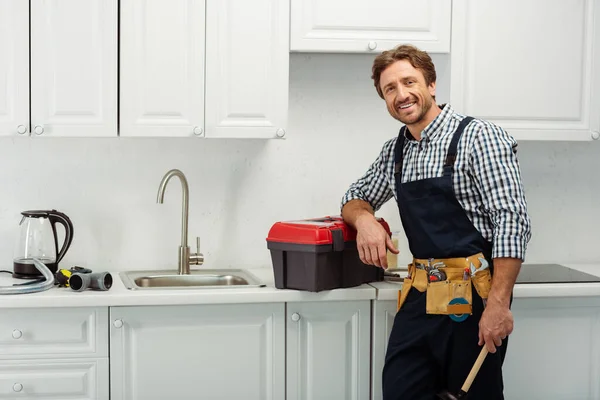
[(38, 239)]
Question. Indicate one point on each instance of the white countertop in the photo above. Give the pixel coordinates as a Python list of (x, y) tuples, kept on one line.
[(119, 295), (389, 290)]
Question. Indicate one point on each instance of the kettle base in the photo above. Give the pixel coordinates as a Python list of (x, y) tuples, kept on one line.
[(24, 270)]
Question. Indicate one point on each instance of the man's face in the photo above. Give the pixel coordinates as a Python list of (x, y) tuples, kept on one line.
[(406, 95)]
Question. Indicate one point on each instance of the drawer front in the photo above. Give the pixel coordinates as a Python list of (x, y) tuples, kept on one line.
[(53, 333), (54, 379)]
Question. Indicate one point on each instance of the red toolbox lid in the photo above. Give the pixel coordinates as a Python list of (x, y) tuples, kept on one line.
[(316, 231)]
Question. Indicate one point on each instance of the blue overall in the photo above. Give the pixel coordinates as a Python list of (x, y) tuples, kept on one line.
[(430, 353)]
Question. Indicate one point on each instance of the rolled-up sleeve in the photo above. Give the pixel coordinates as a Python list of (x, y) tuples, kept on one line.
[(498, 178), (373, 187)]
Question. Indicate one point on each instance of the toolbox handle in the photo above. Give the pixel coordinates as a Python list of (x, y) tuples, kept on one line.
[(337, 239)]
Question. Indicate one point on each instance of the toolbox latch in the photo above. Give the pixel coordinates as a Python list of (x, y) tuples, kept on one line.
[(337, 238)]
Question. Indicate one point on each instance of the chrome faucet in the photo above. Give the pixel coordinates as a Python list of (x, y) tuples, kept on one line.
[(185, 258)]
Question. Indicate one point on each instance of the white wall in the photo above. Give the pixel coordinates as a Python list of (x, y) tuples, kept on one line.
[(238, 188)]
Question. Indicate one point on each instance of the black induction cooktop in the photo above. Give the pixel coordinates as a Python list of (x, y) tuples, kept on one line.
[(553, 273)]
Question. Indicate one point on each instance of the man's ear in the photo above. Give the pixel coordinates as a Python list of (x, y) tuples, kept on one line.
[(431, 88)]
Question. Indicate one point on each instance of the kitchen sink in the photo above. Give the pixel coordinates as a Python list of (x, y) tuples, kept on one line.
[(200, 279)]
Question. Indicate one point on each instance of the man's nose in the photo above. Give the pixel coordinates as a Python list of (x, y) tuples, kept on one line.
[(402, 94)]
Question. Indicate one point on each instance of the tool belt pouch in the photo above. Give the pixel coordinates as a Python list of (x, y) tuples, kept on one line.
[(406, 285), (452, 296), (416, 278), (482, 280)]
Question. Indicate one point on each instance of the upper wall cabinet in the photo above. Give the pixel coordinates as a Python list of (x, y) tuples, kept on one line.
[(339, 26), (537, 77), (247, 68), (73, 84), (74, 67), (223, 74), (14, 67), (162, 68)]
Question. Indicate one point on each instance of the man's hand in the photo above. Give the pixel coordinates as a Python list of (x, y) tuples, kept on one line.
[(497, 320), (373, 241), (495, 325)]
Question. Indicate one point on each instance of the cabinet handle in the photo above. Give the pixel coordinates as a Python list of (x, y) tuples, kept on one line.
[(372, 45), (17, 387), (21, 129), (16, 334), (118, 323), (198, 131), (280, 132), (38, 129), (295, 317), (595, 135)]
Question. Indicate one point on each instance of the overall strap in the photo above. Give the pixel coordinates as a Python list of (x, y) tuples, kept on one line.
[(399, 154), (451, 155)]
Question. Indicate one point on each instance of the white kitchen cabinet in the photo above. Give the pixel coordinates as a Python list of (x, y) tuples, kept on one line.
[(219, 75), (70, 332), (554, 340), (328, 355), (384, 312), (72, 76), (74, 68), (534, 73), (58, 352), (14, 67), (162, 68), (340, 26), (81, 379), (211, 351), (553, 352), (247, 68)]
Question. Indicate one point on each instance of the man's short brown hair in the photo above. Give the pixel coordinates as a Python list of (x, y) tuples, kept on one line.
[(418, 59)]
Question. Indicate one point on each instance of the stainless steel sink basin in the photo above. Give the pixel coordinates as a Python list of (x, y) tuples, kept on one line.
[(200, 279)]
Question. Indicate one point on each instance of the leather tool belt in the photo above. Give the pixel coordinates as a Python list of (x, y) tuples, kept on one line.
[(448, 283)]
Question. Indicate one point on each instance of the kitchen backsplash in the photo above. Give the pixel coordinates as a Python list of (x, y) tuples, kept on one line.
[(239, 188)]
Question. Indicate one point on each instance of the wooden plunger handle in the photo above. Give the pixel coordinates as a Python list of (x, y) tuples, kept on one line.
[(475, 369)]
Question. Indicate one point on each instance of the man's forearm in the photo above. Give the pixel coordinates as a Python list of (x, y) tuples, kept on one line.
[(505, 275), (356, 209)]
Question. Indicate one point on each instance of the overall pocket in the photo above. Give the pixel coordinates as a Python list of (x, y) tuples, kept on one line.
[(440, 295)]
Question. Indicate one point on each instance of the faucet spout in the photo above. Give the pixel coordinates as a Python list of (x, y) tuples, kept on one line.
[(184, 250)]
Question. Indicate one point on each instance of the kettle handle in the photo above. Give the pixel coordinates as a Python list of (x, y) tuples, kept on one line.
[(54, 217)]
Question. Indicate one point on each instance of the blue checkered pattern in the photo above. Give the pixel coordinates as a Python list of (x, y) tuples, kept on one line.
[(486, 178)]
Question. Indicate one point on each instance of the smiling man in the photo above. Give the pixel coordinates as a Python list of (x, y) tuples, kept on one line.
[(457, 183)]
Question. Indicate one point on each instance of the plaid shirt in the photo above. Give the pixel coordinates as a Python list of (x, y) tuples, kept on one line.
[(486, 178)]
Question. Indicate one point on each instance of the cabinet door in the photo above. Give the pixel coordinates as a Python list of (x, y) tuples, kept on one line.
[(384, 312), (531, 67), (247, 68), (213, 351), (554, 340), (328, 350), (162, 68), (84, 379), (14, 67), (74, 67), (377, 25)]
